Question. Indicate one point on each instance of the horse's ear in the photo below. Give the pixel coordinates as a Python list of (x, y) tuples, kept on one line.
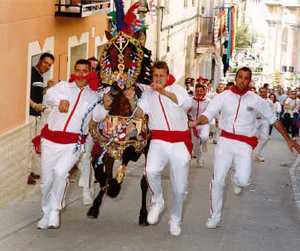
[(108, 35), (136, 35)]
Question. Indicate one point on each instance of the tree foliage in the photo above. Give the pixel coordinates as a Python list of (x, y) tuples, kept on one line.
[(243, 37)]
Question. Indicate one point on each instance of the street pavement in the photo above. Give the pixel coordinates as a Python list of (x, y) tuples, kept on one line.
[(264, 217)]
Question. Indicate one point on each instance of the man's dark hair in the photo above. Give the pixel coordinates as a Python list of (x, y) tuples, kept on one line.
[(262, 88), (46, 55), (161, 65), (92, 59), (247, 69), (200, 86), (266, 85), (83, 61)]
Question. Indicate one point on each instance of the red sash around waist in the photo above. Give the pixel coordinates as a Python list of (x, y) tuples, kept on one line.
[(174, 137), (61, 137), (252, 141)]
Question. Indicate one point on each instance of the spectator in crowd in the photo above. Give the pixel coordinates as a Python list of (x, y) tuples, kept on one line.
[(229, 85), (276, 107), (94, 63), (37, 86), (189, 86), (291, 113)]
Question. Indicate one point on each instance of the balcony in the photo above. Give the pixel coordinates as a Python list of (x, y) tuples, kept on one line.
[(80, 8), (205, 35)]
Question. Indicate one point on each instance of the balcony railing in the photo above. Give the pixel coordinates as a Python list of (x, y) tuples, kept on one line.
[(206, 31), (80, 8)]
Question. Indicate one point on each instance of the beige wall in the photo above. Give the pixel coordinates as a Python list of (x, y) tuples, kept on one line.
[(25, 21)]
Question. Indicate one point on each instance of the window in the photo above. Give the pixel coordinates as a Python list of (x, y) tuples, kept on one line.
[(77, 52)]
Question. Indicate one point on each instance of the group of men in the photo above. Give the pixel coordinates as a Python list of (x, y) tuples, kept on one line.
[(172, 114)]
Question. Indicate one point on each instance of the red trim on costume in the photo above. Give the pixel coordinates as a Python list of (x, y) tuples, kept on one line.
[(237, 112), (252, 141), (61, 137), (72, 112), (164, 112), (174, 137), (171, 80)]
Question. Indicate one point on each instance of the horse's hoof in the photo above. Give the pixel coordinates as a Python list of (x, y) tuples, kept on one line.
[(93, 213), (143, 219), (114, 188)]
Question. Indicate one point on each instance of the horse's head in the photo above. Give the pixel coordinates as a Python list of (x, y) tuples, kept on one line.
[(121, 61)]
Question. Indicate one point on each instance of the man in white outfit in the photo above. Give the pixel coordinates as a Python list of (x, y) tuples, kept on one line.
[(171, 143), (69, 102), (262, 128), (238, 107), (200, 134)]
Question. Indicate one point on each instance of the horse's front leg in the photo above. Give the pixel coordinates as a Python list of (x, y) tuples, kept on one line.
[(143, 211), (144, 187), (101, 177), (94, 209)]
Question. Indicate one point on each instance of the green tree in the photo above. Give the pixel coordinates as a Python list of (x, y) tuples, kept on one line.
[(242, 37)]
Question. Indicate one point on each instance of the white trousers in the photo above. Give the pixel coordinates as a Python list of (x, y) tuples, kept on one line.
[(84, 165), (228, 152), (57, 160), (263, 137), (177, 156), (203, 132)]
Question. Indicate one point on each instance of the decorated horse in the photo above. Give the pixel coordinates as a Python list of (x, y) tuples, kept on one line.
[(125, 67)]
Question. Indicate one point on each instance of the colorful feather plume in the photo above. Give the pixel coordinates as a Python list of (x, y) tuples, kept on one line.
[(130, 23), (119, 5)]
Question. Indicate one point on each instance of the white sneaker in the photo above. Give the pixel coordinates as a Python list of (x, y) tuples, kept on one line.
[(43, 222), (259, 159), (237, 189), (212, 223), (53, 222), (154, 212), (175, 229), (87, 197)]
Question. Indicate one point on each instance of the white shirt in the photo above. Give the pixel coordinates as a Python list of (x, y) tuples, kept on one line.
[(198, 107), (58, 121), (163, 113), (276, 107), (238, 113), (291, 106)]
